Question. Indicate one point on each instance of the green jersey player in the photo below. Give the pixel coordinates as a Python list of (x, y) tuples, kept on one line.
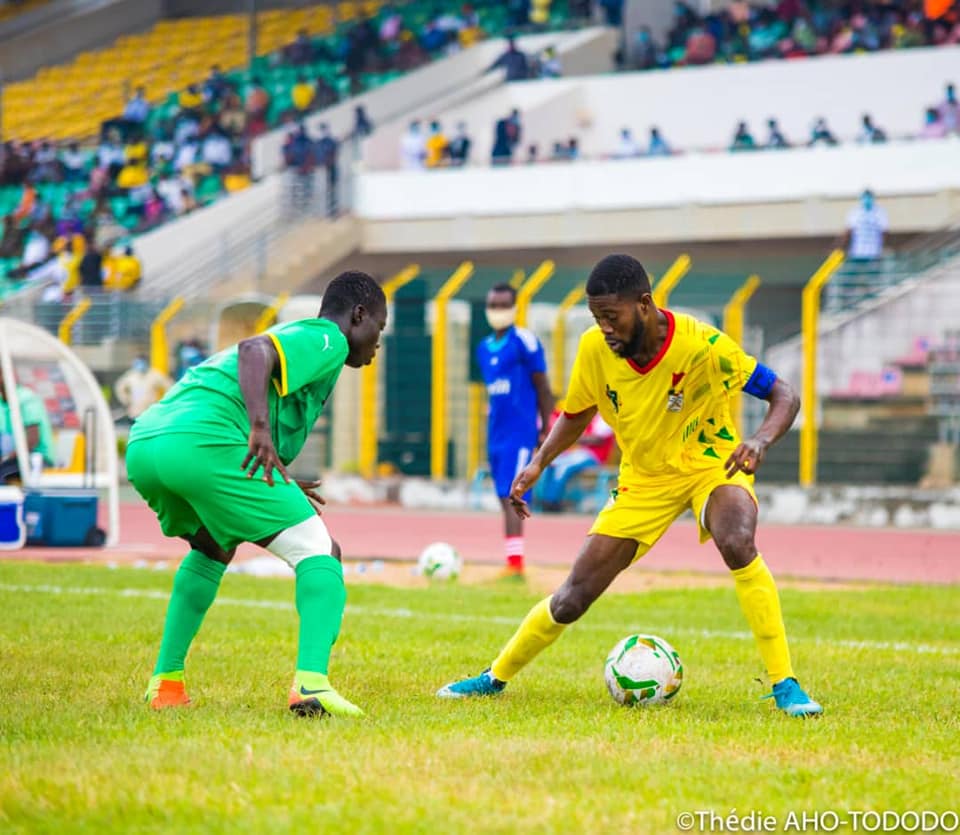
[(210, 459)]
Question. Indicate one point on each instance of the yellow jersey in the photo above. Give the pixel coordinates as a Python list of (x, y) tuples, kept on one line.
[(671, 416)]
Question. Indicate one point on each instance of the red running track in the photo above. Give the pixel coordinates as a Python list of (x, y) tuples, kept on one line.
[(803, 551)]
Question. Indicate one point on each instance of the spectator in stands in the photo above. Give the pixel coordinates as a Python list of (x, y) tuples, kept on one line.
[(187, 127), (256, 104), (933, 126), (533, 152), (513, 61), (866, 227), (775, 137), (300, 52), (122, 272), (189, 354), (413, 149), (550, 64), (236, 178), (821, 134), (36, 249), (743, 139), (46, 165), (506, 135), (327, 152), (110, 154), (190, 100), (459, 148), (216, 151), (137, 108), (645, 53), (302, 95), (326, 94), (591, 451), (627, 146), (658, 146), (215, 86), (74, 162), (140, 387), (701, 47), (362, 126), (436, 146), (188, 156), (518, 12), (950, 110), (298, 151), (232, 117), (91, 269), (869, 132)]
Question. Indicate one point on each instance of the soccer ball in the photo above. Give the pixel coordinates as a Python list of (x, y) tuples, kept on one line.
[(439, 561), (643, 670)]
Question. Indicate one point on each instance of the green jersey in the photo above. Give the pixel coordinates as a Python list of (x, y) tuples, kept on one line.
[(33, 413), (207, 401)]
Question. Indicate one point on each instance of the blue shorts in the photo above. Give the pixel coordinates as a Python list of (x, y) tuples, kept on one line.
[(505, 464)]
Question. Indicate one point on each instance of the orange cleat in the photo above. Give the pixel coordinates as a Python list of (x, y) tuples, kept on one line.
[(166, 692)]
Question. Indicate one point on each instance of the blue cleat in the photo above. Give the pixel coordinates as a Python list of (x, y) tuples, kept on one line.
[(482, 685), (792, 700)]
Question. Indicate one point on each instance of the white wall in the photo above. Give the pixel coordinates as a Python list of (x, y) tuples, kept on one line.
[(900, 168), (699, 107)]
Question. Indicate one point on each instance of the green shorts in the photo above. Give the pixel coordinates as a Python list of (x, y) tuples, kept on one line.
[(191, 482)]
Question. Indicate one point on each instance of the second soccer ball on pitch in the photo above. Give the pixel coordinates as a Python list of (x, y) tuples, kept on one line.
[(439, 561), (643, 670)]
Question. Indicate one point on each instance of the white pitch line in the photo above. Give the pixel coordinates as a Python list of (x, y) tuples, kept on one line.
[(374, 611)]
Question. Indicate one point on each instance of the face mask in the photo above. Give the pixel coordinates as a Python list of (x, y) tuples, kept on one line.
[(867, 202), (139, 365), (501, 318)]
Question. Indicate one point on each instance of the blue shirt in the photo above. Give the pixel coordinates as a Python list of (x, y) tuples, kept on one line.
[(508, 365)]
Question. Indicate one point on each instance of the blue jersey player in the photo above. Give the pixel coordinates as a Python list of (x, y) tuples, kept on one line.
[(515, 372)]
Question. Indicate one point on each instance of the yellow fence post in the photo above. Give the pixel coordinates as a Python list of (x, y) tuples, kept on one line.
[(810, 315), (65, 331), (270, 313), (474, 426), (517, 279), (159, 351), (733, 327), (540, 276), (369, 402), (560, 341), (671, 278), (438, 386)]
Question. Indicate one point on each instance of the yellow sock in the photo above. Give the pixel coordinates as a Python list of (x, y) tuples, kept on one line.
[(536, 633), (760, 603)]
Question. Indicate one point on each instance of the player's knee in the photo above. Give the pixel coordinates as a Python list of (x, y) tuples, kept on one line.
[(569, 603), (736, 544), (307, 539)]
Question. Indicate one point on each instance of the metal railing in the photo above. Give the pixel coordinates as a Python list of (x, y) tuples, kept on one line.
[(859, 282)]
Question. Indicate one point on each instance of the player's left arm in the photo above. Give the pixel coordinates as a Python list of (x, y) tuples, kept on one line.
[(545, 400), (784, 405)]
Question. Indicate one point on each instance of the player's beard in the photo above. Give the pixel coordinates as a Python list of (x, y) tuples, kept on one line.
[(634, 345)]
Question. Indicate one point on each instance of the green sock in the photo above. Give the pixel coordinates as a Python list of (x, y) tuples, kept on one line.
[(321, 597), (194, 588)]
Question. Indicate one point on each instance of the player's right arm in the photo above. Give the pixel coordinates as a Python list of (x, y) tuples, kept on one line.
[(258, 361)]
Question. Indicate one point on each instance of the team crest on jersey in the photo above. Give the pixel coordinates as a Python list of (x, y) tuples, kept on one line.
[(614, 399), (675, 395)]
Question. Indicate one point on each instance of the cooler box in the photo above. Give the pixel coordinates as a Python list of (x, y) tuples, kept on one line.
[(13, 532), (61, 517)]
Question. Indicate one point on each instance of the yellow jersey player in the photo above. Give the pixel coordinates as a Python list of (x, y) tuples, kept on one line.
[(663, 382)]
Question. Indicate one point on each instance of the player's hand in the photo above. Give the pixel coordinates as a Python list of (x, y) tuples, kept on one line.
[(746, 458), (524, 482), (310, 491), (263, 454)]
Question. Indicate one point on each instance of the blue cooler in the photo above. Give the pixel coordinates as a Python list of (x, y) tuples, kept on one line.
[(62, 517), (13, 532)]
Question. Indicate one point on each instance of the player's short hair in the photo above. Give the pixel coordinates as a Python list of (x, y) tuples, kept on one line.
[(504, 288), (618, 275), (349, 289)]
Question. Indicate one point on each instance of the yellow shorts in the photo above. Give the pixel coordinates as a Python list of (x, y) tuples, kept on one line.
[(643, 511)]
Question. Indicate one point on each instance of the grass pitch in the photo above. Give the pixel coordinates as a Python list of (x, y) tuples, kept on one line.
[(81, 753)]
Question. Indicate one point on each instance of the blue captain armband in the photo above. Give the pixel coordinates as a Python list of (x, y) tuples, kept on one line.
[(761, 382)]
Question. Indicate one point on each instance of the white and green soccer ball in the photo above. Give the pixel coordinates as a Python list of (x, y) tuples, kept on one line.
[(439, 561), (643, 670)]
